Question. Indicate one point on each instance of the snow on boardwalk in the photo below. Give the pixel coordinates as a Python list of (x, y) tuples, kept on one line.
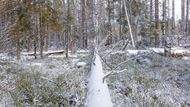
[(98, 93)]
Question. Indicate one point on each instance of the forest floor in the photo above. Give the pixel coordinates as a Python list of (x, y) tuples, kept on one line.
[(148, 80), (51, 81), (144, 80)]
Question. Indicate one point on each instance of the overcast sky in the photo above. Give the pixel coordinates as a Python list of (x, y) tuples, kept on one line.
[(178, 8)]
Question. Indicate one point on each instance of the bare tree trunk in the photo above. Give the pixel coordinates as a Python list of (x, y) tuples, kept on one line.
[(35, 46), (18, 46), (187, 18), (157, 22), (101, 18), (164, 18), (67, 43), (182, 15), (29, 45), (151, 10), (110, 17), (120, 19), (173, 16), (130, 30), (46, 41), (67, 30), (36, 37), (167, 17), (40, 33), (167, 46), (84, 35), (90, 16)]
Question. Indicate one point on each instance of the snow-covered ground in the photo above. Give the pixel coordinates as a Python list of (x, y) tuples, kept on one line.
[(143, 79), (150, 80), (64, 78)]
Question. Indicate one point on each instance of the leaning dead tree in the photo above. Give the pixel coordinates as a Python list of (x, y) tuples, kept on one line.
[(128, 22)]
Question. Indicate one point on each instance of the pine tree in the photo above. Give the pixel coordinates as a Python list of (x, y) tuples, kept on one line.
[(157, 22)]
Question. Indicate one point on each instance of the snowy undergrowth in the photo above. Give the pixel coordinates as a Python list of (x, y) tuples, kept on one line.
[(150, 80), (48, 82)]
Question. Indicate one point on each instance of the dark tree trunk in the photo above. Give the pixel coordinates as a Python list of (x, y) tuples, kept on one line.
[(41, 33), (187, 18), (182, 15), (18, 46), (67, 43), (36, 37), (173, 16), (151, 10), (67, 32), (157, 22)]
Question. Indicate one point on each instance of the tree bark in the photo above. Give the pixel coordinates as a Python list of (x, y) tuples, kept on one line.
[(173, 16), (128, 21), (18, 46), (182, 15), (83, 25), (151, 10), (36, 37), (67, 29), (67, 43), (41, 32), (157, 23), (164, 18), (187, 18)]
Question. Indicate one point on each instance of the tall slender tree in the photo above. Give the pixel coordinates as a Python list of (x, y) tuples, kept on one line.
[(157, 22), (151, 10), (187, 18), (182, 15), (173, 16), (164, 18)]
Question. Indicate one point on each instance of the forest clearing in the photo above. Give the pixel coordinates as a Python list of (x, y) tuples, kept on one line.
[(94, 53)]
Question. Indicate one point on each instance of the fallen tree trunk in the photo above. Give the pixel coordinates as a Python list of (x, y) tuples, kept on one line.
[(55, 52), (58, 52), (99, 95), (173, 53), (180, 54)]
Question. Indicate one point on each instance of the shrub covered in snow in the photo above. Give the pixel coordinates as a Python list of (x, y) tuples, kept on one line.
[(149, 80), (46, 83)]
